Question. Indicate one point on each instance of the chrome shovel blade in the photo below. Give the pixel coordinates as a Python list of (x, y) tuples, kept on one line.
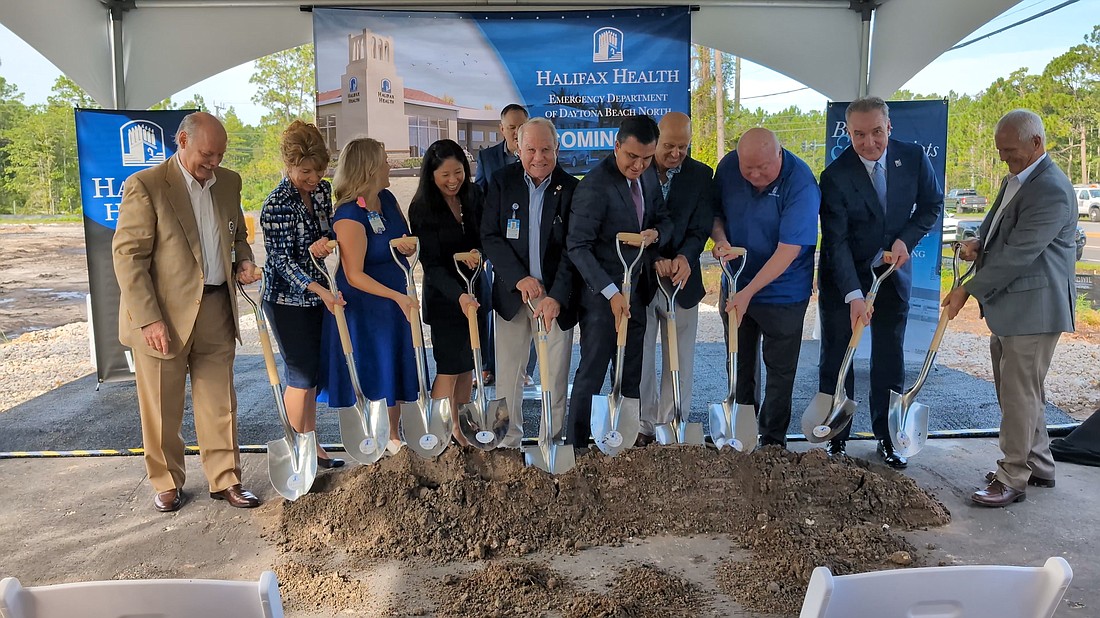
[(908, 426), (550, 456), (614, 438), (489, 435), (292, 469), (834, 422), (721, 427), (667, 434), (691, 434), (365, 437), (815, 416), (427, 431)]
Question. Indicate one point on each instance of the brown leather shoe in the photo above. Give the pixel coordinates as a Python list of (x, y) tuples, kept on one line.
[(168, 501), (997, 495), (237, 496), (1034, 481)]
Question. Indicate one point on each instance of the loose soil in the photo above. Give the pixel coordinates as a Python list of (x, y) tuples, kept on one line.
[(792, 511)]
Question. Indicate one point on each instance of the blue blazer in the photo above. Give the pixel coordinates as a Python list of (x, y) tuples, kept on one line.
[(854, 227), (602, 207), (692, 202), (489, 160)]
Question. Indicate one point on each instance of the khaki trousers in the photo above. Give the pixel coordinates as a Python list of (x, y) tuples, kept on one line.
[(161, 385), (1020, 366), (513, 348), (659, 409)]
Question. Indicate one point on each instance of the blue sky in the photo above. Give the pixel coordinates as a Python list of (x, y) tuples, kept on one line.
[(968, 70)]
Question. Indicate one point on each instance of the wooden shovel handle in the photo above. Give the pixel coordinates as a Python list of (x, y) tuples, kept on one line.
[(857, 333), (731, 252), (331, 245), (342, 326), (731, 331), (462, 257), (673, 347), (629, 238), (397, 242), (269, 357), (620, 339), (543, 355), (417, 330), (471, 321), (941, 328)]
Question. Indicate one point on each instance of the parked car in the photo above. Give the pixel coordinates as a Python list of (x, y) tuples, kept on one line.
[(963, 200), (954, 230), (1088, 201)]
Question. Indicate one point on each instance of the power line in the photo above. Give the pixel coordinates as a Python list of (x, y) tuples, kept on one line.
[(1010, 26), (772, 94)]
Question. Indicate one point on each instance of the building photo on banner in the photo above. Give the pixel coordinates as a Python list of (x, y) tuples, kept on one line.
[(390, 75)]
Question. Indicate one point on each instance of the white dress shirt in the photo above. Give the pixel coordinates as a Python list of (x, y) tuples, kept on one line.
[(202, 202)]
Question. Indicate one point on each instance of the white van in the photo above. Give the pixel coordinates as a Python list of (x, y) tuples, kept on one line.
[(1088, 201)]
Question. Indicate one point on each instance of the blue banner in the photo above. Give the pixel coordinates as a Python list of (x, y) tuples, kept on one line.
[(410, 78), (111, 145), (924, 123)]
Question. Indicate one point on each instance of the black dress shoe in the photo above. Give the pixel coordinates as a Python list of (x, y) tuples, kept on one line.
[(643, 440), (997, 495), (835, 448), (1034, 481), (237, 496), (329, 463), (168, 501), (889, 457)]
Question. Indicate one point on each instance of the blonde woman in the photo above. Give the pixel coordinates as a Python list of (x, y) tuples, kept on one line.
[(296, 222), (378, 309)]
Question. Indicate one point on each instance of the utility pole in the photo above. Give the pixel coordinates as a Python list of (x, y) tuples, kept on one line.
[(737, 84), (720, 103)]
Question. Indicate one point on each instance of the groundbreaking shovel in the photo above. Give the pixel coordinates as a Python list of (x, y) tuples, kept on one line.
[(364, 428), (549, 454), (484, 423), (426, 422), (909, 419), (616, 420), (291, 460), (733, 424), (679, 431), (828, 414)]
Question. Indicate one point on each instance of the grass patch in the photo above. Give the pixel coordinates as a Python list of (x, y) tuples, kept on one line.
[(41, 219)]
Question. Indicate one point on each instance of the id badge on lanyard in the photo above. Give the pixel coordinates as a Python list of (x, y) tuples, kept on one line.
[(512, 232)]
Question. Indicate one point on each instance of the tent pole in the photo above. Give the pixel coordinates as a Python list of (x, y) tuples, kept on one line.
[(115, 11), (866, 9)]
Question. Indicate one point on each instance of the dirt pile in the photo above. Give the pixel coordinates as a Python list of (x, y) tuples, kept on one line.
[(794, 511)]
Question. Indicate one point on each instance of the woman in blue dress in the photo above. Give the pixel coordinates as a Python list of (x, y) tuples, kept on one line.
[(378, 309)]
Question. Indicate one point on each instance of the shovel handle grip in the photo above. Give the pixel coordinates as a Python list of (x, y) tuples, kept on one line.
[(620, 339), (471, 321), (342, 327), (269, 356), (731, 252), (397, 242), (331, 245), (629, 238), (465, 255), (731, 330)]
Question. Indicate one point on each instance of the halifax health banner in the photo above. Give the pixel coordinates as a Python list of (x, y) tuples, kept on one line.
[(408, 79), (924, 123), (111, 145)]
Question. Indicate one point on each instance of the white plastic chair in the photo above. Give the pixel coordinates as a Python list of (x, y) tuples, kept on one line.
[(940, 592), (144, 598)]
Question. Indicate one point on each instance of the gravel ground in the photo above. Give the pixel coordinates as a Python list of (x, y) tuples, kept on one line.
[(39, 361)]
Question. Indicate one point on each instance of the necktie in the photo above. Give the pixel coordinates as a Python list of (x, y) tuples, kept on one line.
[(636, 193), (878, 179)]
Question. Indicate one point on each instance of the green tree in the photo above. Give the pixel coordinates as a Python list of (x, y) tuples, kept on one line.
[(285, 85), (12, 111)]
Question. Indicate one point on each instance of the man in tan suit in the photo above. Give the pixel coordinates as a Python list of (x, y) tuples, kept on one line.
[(179, 243)]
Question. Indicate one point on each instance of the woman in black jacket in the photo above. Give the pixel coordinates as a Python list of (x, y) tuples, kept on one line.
[(446, 215)]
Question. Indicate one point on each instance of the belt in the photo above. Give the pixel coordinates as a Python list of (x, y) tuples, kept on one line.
[(210, 289)]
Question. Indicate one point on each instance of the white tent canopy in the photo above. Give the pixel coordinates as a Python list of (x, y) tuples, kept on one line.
[(134, 53)]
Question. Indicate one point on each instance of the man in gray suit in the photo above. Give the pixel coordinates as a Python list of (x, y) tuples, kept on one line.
[(1024, 284)]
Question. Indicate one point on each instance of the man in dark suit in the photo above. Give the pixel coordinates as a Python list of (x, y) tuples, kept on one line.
[(1023, 281), (179, 247), (769, 206), (879, 195), (688, 189), (523, 234), (488, 162), (613, 197)]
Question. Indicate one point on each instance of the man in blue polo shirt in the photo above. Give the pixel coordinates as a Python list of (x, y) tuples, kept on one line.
[(769, 206)]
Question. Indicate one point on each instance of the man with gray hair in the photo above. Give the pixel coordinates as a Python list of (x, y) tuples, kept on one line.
[(1023, 281), (179, 246), (880, 195), (523, 230)]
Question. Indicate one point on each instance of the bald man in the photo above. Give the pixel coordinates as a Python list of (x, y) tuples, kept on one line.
[(769, 206), (688, 189), (179, 244)]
